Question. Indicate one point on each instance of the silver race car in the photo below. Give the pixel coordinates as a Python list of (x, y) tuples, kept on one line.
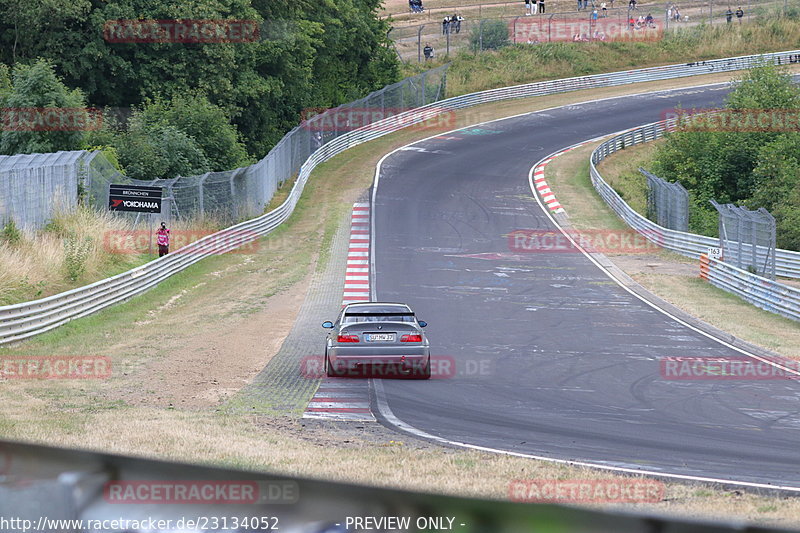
[(377, 340)]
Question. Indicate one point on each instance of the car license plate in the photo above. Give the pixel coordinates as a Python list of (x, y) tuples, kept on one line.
[(379, 337)]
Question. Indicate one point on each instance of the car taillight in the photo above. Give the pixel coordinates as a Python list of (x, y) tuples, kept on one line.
[(411, 338), (348, 338)]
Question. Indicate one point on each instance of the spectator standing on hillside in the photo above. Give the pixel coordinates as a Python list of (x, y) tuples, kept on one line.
[(604, 9), (446, 25), (729, 15), (632, 4), (739, 14), (162, 240), (669, 12), (459, 19), (427, 52), (594, 15), (541, 6), (528, 8)]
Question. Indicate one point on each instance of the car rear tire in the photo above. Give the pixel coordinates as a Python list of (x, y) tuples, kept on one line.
[(329, 370), (422, 373)]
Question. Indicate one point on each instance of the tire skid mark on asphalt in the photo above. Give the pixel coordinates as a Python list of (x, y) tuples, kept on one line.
[(340, 398)]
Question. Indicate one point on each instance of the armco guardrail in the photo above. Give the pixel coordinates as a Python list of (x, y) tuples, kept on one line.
[(761, 292), (20, 321), (787, 262)]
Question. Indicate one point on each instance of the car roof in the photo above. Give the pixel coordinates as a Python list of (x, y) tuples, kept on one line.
[(373, 304)]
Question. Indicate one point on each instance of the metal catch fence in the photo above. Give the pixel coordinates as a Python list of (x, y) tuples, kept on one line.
[(747, 238), (667, 203), (34, 186)]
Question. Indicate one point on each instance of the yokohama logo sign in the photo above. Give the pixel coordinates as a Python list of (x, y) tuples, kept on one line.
[(135, 204)]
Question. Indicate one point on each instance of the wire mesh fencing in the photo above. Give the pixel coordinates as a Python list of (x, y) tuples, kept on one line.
[(235, 195), (667, 203), (34, 186), (747, 238)]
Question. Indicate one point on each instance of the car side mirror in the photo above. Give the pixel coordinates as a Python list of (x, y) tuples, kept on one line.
[(422, 323), (327, 324)]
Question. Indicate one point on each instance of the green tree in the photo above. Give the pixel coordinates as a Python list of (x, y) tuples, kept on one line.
[(204, 122), (309, 54), (31, 29), (35, 92), (733, 164), (777, 176), (152, 151), (489, 35)]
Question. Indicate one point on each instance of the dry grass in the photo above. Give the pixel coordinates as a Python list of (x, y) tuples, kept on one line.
[(108, 415), (285, 447), (34, 266), (666, 273), (523, 64), (37, 265)]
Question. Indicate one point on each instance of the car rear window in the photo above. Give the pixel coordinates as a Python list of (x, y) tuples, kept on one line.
[(378, 314)]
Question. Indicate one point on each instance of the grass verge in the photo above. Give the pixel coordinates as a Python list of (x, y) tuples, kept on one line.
[(520, 63)]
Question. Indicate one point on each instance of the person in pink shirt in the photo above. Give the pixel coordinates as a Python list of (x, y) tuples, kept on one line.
[(162, 239)]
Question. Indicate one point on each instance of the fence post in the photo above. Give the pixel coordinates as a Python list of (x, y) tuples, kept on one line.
[(419, 43)]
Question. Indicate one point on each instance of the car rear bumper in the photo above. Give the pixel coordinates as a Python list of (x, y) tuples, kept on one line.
[(392, 358)]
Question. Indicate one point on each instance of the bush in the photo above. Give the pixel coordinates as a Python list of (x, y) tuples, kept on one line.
[(740, 165), (76, 253), (208, 125), (37, 86), (11, 233), (156, 151), (490, 35)]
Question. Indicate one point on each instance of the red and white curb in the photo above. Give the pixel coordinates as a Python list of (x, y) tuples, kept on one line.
[(356, 278), (548, 196), (341, 398)]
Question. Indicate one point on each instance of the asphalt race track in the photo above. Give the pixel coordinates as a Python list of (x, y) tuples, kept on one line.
[(554, 358)]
